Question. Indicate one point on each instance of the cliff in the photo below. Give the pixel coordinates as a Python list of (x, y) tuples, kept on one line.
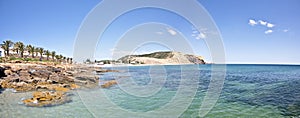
[(163, 58)]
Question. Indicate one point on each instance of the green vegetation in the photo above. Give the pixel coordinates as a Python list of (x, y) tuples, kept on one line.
[(47, 53), (6, 45), (53, 54), (106, 61), (158, 55), (15, 52), (41, 51), (30, 50)]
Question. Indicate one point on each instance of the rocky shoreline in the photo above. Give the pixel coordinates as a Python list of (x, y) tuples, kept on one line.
[(49, 81)]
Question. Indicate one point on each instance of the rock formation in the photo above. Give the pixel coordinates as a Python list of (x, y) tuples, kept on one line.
[(33, 77), (46, 98), (108, 84), (163, 58), (50, 82)]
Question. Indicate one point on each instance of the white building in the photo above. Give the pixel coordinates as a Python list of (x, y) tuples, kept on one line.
[(12, 52), (2, 54)]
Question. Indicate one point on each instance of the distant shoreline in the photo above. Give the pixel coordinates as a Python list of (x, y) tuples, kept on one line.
[(132, 65)]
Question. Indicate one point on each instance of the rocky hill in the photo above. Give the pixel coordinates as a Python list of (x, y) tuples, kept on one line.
[(168, 57)]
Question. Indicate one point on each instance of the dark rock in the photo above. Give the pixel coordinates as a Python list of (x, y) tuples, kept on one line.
[(56, 70), (104, 70), (68, 73), (0, 86), (41, 73), (194, 59), (2, 74)]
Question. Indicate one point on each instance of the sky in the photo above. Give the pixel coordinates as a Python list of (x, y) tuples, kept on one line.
[(253, 31)]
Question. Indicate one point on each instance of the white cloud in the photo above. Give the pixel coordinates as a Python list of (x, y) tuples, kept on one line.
[(286, 30), (252, 22), (262, 22), (269, 25), (171, 31), (265, 24), (201, 36), (159, 33), (268, 31)]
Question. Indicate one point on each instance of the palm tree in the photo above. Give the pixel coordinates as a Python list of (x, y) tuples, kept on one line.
[(41, 51), (60, 57), (68, 60), (6, 45), (37, 50), (57, 57), (21, 48), (53, 54), (47, 52), (16, 47), (64, 59), (31, 50)]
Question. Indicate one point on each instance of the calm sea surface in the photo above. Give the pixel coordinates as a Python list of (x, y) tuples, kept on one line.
[(177, 91)]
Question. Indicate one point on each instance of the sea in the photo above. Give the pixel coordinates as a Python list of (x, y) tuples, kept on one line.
[(169, 91)]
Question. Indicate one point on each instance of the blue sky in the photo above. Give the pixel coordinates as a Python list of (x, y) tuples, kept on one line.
[(253, 31)]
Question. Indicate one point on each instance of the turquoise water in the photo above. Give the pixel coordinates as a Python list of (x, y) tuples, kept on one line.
[(177, 91)]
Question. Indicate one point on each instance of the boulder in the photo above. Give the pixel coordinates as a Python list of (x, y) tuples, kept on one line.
[(7, 72), (24, 87), (16, 68), (54, 78), (12, 78), (24, 73), (20, 84), (41, 74), (65, 79), (42, 87), (4, 84), (81, 82), (99, 70), (38, 79), (109, 84), (64, 85), (56, 87), (1, 84), (74, 86), (56, 70), (46, 98), (2, 71), (27, 79), (68, 73), (62, 89)]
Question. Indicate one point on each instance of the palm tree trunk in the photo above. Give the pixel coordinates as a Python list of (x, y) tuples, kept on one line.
[(7, 52)]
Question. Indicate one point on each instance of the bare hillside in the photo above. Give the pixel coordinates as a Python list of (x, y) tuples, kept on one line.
[(163, 58)]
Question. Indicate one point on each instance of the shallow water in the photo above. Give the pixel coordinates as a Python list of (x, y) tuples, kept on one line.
[(176, 91)]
